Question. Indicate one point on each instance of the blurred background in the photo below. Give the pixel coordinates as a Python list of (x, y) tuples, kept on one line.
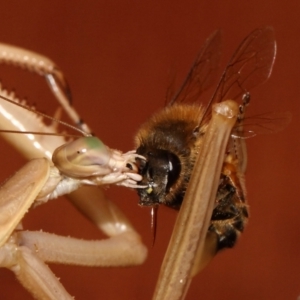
[(119, 58)]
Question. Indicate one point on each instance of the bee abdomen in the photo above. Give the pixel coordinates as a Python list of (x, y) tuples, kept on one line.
[(230, 215)]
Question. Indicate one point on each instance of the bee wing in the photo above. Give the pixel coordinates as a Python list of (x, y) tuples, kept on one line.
[(251, 65), (203, 71), (265, 123)]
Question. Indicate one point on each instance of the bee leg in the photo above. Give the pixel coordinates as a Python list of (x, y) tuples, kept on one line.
[(230, 215)]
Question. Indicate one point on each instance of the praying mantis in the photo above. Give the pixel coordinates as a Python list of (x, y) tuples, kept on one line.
[(26, 249), (25, 252)]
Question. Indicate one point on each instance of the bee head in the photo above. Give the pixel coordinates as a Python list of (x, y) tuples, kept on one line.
[(160, 171)]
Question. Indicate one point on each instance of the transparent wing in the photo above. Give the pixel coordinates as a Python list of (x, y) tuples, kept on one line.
[(203, 72), (265, 123), (250, 66)]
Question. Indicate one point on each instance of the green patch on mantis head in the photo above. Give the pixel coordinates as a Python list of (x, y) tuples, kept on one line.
[(84, 157)]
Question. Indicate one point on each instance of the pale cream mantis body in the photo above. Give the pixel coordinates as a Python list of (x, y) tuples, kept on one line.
[(38, 181)]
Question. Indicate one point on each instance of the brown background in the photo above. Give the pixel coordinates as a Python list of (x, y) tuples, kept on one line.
[(117, 56)]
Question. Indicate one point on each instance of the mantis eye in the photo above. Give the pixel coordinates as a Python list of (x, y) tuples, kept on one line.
[(86, 156)]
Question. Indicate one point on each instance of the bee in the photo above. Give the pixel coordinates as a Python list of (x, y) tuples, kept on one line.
[(170, 140)]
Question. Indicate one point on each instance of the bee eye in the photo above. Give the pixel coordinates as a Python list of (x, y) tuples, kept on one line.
[(174, 170)]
